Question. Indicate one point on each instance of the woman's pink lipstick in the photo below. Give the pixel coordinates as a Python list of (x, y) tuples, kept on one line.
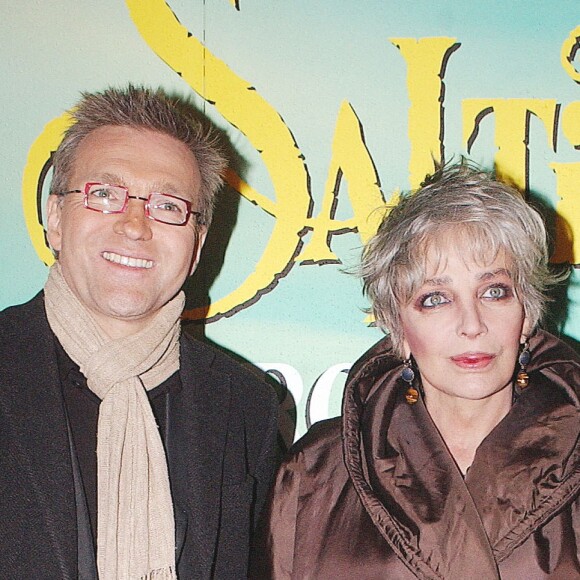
[(476, 360)]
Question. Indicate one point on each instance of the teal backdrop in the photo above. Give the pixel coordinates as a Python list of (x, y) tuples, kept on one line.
[(331, 107)]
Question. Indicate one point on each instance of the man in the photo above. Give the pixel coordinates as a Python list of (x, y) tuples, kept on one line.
[(127, 450)]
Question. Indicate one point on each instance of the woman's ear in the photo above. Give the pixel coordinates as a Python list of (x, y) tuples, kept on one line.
[(406, 349), (527, 329)]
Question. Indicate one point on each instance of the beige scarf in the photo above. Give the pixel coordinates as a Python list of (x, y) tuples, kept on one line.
[(135, 527)]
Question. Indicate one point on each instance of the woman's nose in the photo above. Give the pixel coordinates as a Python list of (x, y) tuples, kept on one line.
[(471, 320)]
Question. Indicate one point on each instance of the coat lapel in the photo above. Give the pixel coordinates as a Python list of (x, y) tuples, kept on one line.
[(36, 428), (199, 419), (534, 453)]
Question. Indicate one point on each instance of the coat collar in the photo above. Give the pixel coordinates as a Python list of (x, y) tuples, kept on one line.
[(415, 494)]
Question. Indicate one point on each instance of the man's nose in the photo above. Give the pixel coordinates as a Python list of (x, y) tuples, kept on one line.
[(133, 222)]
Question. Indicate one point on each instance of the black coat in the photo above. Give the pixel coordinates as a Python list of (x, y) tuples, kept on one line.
[(220, 448)]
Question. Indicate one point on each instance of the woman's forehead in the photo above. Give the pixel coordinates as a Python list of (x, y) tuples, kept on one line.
[(473, 250)]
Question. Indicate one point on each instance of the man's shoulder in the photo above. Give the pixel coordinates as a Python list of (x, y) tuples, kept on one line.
[(21, 322), (210, 356), (23, 311), (249, 380), (26, 344)]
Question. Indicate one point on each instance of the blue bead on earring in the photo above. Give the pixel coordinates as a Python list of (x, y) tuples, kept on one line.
[(408, 375), (524, 359)]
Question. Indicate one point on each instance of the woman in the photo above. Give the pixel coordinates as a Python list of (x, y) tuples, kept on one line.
[(457, 454)]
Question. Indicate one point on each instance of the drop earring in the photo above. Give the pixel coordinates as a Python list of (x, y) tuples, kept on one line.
[(408, 375), (523, 379)]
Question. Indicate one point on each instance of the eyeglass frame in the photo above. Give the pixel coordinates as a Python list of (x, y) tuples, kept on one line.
[(147, 199)]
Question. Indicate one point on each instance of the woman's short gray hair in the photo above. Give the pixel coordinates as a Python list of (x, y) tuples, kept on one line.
[(492, 217), (148, 109)]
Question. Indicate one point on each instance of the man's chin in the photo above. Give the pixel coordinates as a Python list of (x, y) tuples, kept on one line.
[(131, 314)]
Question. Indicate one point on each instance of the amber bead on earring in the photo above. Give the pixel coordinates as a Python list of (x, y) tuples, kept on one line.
[(408, 375), (522, 380)]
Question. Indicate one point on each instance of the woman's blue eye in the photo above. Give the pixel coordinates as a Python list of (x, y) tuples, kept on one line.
[(433, 300), (496, 292)]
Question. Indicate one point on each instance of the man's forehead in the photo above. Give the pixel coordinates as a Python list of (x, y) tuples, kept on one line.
[(128, 156), (117, 178), (129, 136)]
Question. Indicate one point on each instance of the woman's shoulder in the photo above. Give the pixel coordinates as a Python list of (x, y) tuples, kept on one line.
[(556, 360), (319, 448), (314, 463), (548, 350)]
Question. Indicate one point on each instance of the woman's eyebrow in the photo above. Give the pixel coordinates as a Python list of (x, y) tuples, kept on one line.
[(494, 274), (488, 275), (437, 281)]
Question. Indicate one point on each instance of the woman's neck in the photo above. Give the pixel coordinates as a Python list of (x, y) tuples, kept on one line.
[(464, 423)]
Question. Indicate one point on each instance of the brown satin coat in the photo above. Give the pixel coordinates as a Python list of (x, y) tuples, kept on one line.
[(377, 494)]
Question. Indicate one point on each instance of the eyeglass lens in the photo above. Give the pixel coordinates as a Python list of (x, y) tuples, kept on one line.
[(162, 207)]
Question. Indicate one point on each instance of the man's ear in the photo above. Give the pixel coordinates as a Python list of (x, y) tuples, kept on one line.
[(200, 236), (53, 222)]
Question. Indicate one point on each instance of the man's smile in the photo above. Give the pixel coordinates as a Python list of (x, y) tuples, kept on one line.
[(127, 260)]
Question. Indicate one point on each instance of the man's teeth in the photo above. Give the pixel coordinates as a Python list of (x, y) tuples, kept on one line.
[(127, 261)]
